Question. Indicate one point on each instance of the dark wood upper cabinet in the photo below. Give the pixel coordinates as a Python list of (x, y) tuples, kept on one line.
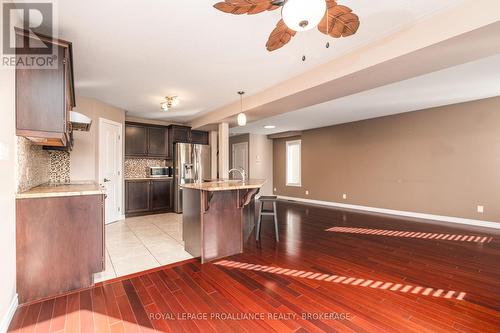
[(161, 198), (137, 198), (199, 137), (44, 97), (157, 142), (153, 141), (136, 140), (180, 134), (146, 141)]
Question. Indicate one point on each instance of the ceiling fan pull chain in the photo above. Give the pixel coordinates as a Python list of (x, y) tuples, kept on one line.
[(327, 26)]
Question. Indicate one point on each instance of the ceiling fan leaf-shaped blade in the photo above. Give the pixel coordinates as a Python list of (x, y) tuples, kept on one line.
[(261, 8), (239, 7), (339, 20), (279, 37), (224, 7)]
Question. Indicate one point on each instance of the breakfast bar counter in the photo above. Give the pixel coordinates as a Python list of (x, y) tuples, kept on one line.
[(217, 216)]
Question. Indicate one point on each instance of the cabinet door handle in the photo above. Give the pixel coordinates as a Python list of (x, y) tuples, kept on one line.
[(106, 180)]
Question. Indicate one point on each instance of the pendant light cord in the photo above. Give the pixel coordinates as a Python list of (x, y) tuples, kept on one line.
[(241, 93)]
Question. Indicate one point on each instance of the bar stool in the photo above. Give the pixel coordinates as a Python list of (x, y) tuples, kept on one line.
[(263, 199)]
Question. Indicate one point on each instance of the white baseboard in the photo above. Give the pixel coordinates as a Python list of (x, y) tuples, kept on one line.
[(4, 325), (442, 218)]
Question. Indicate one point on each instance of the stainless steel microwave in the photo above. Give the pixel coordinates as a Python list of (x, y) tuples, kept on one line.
[(160, 171)]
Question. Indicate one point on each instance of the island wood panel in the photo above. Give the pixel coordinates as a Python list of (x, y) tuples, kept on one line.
[(191, 221), (222, 225), (193, 288), (248, 219), (59, 244)]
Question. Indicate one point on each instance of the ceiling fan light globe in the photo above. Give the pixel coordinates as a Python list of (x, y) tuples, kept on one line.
[(164, 106), (303, 15), (242, 119), (174, 101)]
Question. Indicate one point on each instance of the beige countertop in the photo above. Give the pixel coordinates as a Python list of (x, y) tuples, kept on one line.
[(226, 185), (49, 190), (149, 178)]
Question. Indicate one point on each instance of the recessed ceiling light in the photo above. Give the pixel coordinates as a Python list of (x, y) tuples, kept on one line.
[(269, 126)]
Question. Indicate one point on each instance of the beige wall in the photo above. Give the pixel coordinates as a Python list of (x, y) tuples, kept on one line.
[(85, 154), (7, 194), (442, 161)]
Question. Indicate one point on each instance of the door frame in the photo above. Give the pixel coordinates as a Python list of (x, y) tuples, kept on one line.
[(244, 143), (120, 161)]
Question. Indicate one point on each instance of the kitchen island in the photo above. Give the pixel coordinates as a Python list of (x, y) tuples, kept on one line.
[(217, 215)]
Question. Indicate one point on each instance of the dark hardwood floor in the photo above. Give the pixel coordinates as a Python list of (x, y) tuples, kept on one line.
[(313, 280)]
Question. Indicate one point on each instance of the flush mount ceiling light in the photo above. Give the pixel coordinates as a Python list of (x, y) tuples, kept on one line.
[(303, 15), (269, 126), (331, 18), (242, 118), (169, 102)]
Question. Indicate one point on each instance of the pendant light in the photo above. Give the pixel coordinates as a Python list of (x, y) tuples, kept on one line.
[(242, 118)]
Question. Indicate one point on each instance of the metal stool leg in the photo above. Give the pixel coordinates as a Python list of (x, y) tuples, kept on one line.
[(276, 221), (257, 232)]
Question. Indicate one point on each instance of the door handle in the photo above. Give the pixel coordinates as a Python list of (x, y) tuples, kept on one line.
[(106, 180)]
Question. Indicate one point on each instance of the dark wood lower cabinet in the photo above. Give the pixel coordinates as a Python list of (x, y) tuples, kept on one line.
[(143, 197), (137, 196), (60, 244), (160, 195)]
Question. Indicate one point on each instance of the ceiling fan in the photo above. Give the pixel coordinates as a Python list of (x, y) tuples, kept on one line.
[(297, 15)]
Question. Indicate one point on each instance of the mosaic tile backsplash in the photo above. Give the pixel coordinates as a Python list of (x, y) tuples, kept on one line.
[(33, 164), (59, 166), (139, 167), (36, 166)]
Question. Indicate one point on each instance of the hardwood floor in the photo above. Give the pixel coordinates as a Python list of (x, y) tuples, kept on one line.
[(313, 280)]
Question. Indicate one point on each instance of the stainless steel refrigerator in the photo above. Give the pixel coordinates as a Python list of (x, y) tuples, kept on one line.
[(191, 164)]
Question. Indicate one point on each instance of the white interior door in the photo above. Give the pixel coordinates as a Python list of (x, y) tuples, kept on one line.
[(110, 167), (240, 158)]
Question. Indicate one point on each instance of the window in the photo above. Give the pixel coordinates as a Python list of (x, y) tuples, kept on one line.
[(293, 158)]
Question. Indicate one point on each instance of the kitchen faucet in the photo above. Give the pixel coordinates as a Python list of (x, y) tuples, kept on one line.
[(241, 171)]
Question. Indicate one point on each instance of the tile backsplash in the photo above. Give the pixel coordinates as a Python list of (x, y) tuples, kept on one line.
[(36, 166), (59, 166), (139, 167), (33, 164)]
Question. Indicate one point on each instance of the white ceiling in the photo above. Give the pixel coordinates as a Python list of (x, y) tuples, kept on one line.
[(132, 53), (471, 81)]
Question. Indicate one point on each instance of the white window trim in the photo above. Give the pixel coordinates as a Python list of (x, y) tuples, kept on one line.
[(288, 143)]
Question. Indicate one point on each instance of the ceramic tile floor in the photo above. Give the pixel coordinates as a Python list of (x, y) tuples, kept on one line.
[(140, 243)]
